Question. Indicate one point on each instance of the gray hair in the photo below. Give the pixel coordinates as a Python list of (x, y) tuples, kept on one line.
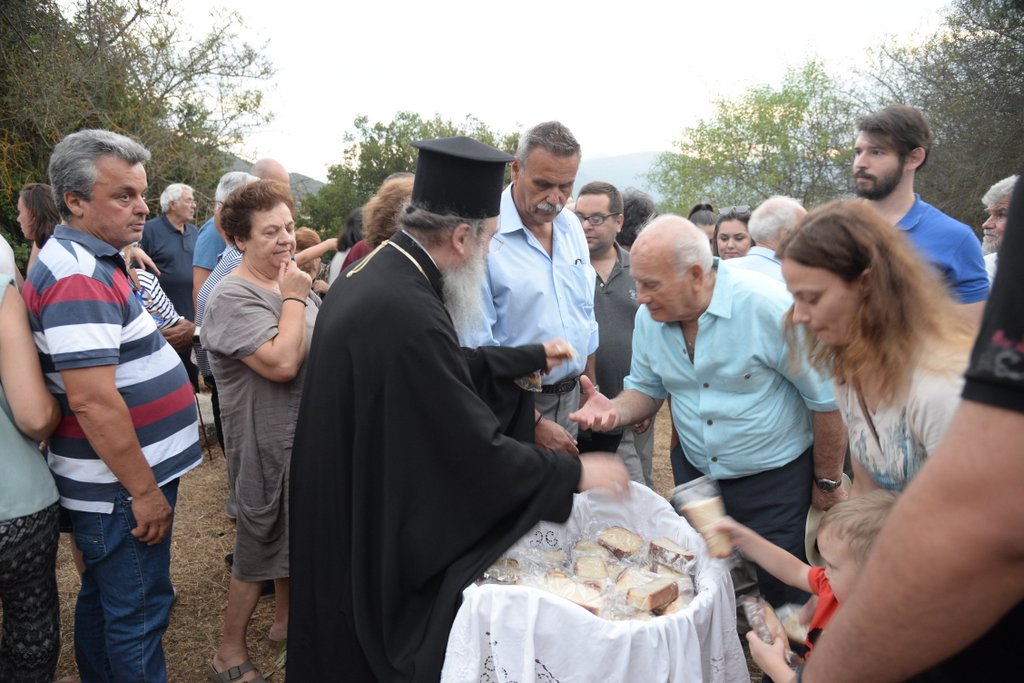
[(998, 192), (551, 136), (774, 218), (231, 181), (73, 162), (431, 227), (172, 193)]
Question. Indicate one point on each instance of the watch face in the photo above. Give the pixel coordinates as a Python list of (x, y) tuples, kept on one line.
[(828, 484)]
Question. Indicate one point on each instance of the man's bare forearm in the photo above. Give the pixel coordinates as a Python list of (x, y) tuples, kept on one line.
[(104, 418), (634, 406), (830, 439)]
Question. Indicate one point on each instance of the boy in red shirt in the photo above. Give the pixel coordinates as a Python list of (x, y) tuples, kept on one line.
[(845, 537)]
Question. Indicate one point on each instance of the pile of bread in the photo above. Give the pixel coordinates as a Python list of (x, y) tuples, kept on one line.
[(616, 574)]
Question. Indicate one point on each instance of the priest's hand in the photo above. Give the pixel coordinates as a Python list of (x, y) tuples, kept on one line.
[(604, 471), (598, 412), (641, 427), (552, 436), (558, 351)]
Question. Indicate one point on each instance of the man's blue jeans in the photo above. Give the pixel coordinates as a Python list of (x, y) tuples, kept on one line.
[(125, 600)]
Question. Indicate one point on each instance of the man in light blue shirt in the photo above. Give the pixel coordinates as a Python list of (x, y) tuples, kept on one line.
[(711, 338), (540, 284), (768, 224)]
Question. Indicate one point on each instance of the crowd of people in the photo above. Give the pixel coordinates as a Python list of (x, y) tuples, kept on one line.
[(483, 353)]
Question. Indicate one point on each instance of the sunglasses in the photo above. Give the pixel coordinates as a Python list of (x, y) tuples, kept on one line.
[(728, 210)]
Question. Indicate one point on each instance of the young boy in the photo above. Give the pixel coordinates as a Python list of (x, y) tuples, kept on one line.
[(845, 537)]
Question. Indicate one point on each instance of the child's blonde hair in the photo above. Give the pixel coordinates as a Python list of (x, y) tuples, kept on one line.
[(858, 521)]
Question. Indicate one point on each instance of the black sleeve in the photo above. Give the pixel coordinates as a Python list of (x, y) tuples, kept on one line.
[(996, 373)]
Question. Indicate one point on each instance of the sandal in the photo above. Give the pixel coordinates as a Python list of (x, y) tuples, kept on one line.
[(233, 674)]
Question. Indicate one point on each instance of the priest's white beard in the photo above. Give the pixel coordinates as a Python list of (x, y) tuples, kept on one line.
[(463, 292)]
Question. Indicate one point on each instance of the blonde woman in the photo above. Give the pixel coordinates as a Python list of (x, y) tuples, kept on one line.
[(882, 323)]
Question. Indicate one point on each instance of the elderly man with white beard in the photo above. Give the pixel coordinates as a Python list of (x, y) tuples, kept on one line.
[(403, 486)]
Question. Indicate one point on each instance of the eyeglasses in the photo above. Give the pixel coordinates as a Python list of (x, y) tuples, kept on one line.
[(727, 210), (597, 219)]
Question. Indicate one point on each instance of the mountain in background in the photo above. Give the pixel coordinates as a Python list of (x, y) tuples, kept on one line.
[(302, 185), (623, 171)]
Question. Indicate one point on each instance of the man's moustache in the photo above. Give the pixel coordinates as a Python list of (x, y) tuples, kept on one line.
[(550, 208)]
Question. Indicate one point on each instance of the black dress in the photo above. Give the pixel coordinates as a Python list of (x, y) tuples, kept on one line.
[(403, 486)]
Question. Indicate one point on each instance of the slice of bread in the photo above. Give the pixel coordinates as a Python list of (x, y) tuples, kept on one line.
[(666, 550), (653, 595), (587, 597), (591, 569), (621, 542), (587, 548)]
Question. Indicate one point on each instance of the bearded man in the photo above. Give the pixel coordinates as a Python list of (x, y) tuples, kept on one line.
[(892, 146), (403, 487)]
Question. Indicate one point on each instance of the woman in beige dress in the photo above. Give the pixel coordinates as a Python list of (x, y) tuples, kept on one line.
[(256, 329)]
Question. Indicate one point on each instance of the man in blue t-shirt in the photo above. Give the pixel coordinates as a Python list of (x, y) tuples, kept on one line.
[(892, 145)]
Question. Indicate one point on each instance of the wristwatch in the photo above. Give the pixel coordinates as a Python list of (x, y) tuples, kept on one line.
[(827, 485)]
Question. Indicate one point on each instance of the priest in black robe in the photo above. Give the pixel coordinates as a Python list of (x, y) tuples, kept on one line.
[(403, 487)]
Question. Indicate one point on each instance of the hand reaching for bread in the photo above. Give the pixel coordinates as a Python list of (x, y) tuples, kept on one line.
[(604, 471)]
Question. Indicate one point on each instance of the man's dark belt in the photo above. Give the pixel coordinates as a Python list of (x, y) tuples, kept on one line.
[(565, 386)]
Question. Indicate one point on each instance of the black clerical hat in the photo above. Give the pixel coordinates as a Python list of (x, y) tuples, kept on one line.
[(459, 176)]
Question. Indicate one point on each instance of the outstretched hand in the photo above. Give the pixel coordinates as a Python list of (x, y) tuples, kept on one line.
[(604, 471), (598, 413)]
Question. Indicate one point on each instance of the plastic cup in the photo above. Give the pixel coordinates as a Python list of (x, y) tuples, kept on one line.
[(700, 502)]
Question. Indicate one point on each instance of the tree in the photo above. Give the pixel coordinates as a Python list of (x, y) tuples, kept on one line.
[(129, 66), (793, 140), (377, 150), (968, 79)]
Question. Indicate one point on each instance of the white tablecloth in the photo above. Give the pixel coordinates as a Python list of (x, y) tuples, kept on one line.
[(517, 633)]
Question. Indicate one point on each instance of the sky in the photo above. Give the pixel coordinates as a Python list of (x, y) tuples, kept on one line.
[(623, 80)]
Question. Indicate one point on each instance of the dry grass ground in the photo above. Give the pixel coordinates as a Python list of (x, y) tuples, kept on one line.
[(202, 536)]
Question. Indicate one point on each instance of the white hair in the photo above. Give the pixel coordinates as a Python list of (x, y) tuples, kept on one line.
[(231, 181), (172, 193), (773, 218), (998, 192)]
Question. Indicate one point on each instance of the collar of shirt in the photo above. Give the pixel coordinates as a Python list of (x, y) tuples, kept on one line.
[(913, 217), (95, 245), (720, 305), (510, 221)]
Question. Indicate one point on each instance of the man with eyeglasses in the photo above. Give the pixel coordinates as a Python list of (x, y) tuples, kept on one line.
[(599, 206), (540, 284)]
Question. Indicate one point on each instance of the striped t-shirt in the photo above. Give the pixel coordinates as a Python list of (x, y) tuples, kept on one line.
[(84, 313), (156, 301)]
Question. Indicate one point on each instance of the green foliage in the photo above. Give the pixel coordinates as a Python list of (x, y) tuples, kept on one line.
[(968, 79), (375, 151), (127, 65), (793, 140)]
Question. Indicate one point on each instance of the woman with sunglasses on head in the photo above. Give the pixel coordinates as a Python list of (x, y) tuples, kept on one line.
[(731, 238), (885, 327)]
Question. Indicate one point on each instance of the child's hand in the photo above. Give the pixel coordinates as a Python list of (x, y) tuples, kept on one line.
[(771, 658), (731, 529)]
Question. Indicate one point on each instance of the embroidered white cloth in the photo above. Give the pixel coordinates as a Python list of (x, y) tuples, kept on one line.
[(519, 634)]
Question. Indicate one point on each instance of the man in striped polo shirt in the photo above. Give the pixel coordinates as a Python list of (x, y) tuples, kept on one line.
[(130, 426)]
